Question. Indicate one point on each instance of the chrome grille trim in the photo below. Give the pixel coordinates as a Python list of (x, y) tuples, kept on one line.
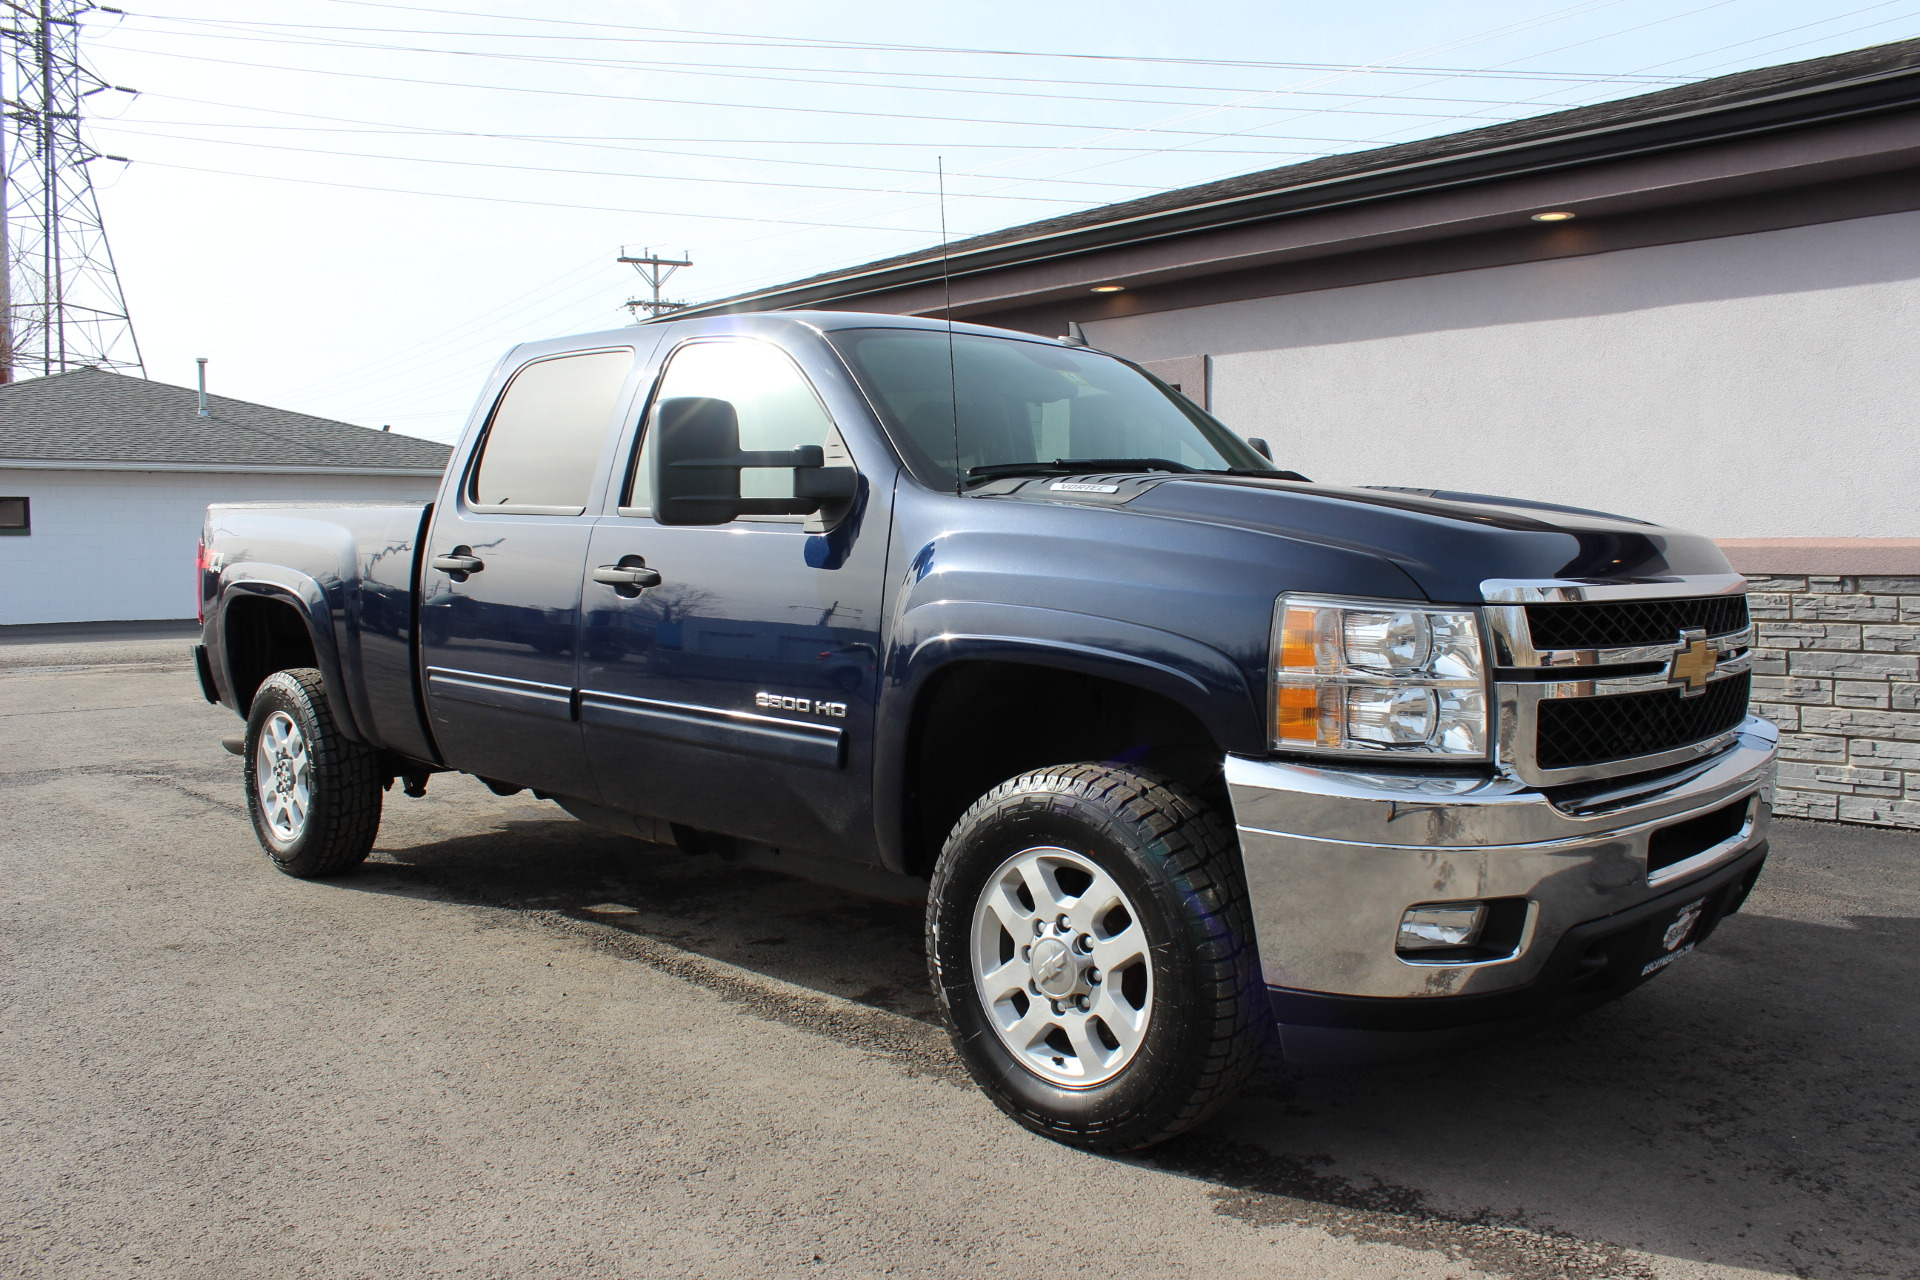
[(1574, 590), (1517, 702)]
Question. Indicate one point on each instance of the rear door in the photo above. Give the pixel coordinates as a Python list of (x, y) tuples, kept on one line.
[(500, 588)]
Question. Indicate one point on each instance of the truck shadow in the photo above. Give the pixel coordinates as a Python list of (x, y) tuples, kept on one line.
[(1756, 1106)]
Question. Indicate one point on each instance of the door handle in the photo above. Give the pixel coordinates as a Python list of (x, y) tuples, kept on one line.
[(620, 575), (461, 564)]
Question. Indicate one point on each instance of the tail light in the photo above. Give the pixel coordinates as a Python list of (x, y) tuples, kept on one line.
[(205, 566)]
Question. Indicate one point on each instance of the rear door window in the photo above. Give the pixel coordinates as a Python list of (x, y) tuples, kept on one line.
[(545, 437)]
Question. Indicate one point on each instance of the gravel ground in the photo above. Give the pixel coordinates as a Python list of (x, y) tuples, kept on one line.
[(513, 1046)]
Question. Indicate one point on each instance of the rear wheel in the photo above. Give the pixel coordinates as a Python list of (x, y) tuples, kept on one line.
[(1092, 951), (314, 795)]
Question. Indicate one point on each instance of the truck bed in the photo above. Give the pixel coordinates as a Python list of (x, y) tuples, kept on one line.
[(353, 569)]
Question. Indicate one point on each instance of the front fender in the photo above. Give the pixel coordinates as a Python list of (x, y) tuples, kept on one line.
[(930, 638), (309, 600)]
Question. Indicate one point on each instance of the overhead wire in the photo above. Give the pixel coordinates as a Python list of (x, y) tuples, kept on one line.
[(865, 143), (539, 204), (757, 41), (524, 168), (558, 141), (744, 66), (659, 67), (679, 102)]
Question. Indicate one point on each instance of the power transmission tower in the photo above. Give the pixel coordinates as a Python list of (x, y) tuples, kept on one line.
[(60, 301), (654, 270)]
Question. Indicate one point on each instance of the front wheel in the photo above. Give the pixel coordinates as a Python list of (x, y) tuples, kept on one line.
[(314, 794), (1092, 951)]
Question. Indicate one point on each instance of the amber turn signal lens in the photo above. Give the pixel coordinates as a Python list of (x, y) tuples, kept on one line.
[(1298, 714), (1296, 640)]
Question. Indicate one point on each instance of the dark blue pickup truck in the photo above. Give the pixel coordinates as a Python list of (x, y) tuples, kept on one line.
[(1180, 746)]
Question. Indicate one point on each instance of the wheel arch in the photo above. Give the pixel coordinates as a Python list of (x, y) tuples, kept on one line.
[(1078, 687), (278, 623)]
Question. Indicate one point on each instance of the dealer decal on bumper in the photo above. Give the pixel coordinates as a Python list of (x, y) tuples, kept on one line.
[(1677, 933)]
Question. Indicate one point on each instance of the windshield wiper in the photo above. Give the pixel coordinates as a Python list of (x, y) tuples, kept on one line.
[(1074, 466)]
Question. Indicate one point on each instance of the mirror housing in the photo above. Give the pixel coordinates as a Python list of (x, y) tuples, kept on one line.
[(697, 462)]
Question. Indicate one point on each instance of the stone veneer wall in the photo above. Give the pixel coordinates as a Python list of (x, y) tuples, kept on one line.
[(1838, 669)]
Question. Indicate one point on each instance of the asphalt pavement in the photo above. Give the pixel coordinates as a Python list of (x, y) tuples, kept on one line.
[(514, 1046)]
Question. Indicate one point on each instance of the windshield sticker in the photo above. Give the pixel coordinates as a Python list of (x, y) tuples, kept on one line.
[(1075, 486)]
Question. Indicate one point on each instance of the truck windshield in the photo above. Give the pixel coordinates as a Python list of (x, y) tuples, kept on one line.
[(1027, 403)]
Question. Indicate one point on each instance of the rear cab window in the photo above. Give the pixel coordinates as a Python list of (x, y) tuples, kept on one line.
[(543, 441)]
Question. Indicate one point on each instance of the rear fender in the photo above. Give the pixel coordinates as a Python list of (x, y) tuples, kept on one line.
[(307, 599)]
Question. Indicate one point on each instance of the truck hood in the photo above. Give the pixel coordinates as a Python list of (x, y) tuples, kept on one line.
[(1448, 543)]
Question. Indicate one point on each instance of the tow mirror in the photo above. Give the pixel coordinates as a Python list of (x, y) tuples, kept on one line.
[(697, 462)]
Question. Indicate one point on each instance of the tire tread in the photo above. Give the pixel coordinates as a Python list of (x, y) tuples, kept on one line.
[(349, 773), (1198, 853)]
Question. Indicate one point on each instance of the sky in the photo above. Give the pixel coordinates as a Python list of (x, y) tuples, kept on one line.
[(354, 209)]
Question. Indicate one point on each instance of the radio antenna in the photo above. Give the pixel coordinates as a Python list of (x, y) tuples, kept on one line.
[(946, 285)]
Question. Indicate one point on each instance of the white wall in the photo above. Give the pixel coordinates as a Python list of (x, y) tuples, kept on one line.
[(119, 545), (1755, 386)]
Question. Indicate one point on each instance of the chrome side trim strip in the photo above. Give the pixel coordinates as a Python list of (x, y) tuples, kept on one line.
[(1570, 590), (548, 701), (739, 732)]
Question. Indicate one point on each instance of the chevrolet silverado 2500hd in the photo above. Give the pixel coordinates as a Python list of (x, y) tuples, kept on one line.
[(1182, 746)]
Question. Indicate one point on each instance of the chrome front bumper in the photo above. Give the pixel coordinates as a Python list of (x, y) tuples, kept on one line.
[(1335, 856)]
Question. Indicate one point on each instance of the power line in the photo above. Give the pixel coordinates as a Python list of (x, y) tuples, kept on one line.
[(563, 141), (526, 168), (759, 75), (745, 142), (679, 102), (735, 39), (538, 204), (742, 66)]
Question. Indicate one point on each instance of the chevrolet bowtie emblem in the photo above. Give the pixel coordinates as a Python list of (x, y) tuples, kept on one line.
[(1693, 666)]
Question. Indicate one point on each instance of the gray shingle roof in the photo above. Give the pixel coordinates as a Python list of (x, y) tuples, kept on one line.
[(90, 415)]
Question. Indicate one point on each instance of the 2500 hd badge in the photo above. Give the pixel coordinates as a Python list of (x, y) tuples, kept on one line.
[(780, 702)]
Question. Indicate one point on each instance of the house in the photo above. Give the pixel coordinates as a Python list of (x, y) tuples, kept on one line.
[(105, 481), (1699, 306)]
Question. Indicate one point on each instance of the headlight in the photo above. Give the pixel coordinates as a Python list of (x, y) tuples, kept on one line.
[(1356, 676)]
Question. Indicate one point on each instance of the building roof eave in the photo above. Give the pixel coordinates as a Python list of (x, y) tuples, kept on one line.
[(1405, 170)]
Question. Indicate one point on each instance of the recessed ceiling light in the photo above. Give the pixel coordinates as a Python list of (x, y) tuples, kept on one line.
[(1108, 288), (1558, 215)]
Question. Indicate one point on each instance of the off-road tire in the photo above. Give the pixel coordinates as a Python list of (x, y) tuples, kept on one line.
[(1175, 858), (343, 814)]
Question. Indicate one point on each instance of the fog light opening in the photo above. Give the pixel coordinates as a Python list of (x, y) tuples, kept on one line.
[(1438, 925)]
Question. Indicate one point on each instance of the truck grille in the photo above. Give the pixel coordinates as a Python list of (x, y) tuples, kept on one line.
[(1620, 624), (1584, 731)]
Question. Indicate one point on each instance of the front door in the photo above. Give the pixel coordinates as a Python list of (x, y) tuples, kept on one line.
[(737, 695), (500, 589)]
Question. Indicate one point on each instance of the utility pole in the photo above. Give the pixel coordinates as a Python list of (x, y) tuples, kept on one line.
[(61, 306), (655, 271)]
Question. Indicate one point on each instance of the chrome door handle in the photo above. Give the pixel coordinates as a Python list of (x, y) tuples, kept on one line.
[(620, 575), (458, 564)]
